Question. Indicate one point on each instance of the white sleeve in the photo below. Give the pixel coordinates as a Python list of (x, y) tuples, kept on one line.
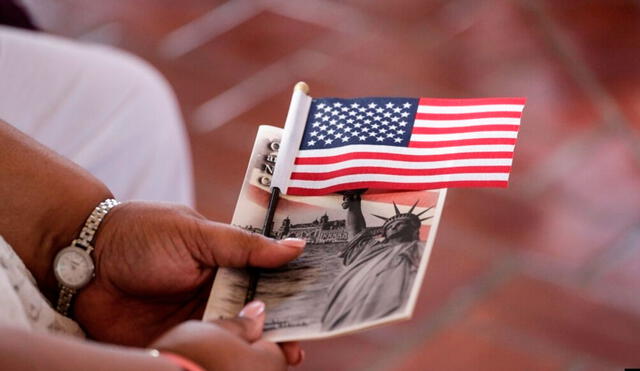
[(22, 304)]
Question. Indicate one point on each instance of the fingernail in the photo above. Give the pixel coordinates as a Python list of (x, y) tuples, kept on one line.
[(293, 242), (301, 356), (252, 310)]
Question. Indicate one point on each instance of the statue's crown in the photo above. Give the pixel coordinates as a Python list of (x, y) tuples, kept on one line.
[(409, 216)]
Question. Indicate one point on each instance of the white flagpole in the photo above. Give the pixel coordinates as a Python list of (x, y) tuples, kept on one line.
[(291, 137)]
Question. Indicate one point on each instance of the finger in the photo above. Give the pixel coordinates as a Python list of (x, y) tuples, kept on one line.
[(249, 323), (270, 355), (293, 353), (229, 246)]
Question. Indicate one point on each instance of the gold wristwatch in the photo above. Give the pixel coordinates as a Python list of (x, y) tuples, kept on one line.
[(73, 265)]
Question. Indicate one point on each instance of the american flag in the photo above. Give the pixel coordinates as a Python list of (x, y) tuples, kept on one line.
[(406, 143)]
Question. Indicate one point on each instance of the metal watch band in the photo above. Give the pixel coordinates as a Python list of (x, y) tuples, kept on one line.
[(64, 299), (93, 222), (84, 241)]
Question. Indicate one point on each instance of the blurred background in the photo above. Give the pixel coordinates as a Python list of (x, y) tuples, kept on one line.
[(544, 275)]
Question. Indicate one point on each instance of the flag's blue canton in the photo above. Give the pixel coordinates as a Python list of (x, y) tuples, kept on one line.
[(334, 122)]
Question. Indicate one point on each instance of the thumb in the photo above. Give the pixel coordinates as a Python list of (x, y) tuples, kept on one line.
[(229, 246), (248, 324)]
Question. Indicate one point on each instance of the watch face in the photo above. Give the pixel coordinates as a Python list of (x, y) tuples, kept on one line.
[(73, 267)]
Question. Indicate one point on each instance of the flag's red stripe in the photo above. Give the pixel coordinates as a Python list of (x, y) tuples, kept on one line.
[(299, 191), (466, 116), (464, 129), (461, 142), (470, 102), (398, 157), (395, 171)]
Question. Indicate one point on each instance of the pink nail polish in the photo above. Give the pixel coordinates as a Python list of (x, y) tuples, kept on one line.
[(252, 310), (293, 242)]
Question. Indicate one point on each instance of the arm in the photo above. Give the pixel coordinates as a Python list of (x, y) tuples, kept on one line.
[(232, 344), (45, 201), (22, 351), (154, 262)]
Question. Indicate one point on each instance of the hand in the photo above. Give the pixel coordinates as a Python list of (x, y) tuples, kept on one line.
[(155, 264), (230, 344)]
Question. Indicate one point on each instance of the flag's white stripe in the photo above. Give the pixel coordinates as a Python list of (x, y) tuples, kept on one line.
[(402, 164), (459, 136), (404, 150), (467, 122), (315, 184), (471, 109)]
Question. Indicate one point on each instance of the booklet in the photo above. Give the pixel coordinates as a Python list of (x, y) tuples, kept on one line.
[(366, 255)]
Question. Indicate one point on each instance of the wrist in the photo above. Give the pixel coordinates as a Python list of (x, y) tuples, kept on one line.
[(62, 229), (74, 266)]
